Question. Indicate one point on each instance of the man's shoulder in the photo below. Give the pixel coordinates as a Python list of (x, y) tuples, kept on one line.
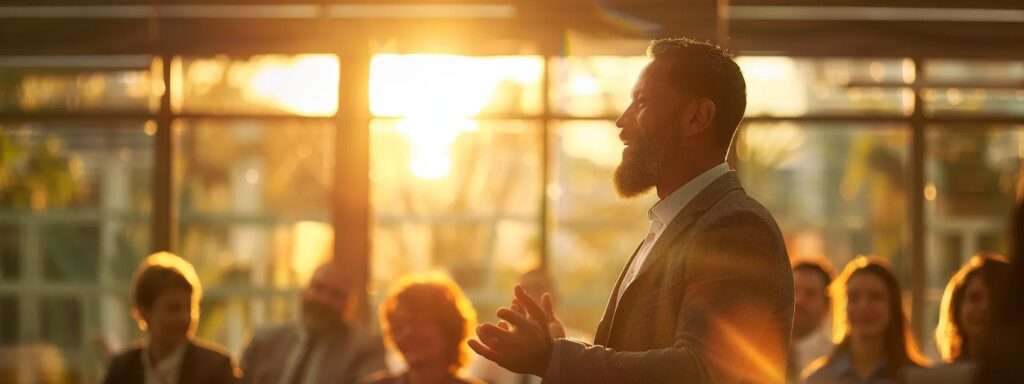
[(207, 350), (130, 355), (275, 333)]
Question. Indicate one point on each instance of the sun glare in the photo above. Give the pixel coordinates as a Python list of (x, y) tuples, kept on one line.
[(305, 85), (436, 98)]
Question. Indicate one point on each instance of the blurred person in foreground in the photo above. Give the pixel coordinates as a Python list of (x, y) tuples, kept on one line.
[(165, 296), (964, 314), (32, 364), (707, 297), (875, 343), (536, 282), (1002, 354), (812, 332), (427, 319), (326, 346)]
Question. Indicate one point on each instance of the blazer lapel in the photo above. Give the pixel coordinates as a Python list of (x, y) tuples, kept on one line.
[(700, 204), (186, 373), (601, 337)]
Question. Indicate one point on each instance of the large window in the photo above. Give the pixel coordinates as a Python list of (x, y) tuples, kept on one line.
[(480, 166)]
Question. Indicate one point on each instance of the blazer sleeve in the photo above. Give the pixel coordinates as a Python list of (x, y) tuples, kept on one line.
[(250, 358), (116, 371), (224, 371), (733, 324), (369, 358)]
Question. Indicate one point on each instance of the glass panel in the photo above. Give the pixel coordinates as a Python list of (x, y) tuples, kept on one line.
[(785, 86), (247, 169), (74, 258), (974, 100), (255, 203), (77, 198), (852, 198), (80, 83), (596, 231), (62, 321), (450, 85), (973, 72), (972, 181), (593, 86), (10, 259), (9, 328), (456, 195), (302, 84), (64, 165)]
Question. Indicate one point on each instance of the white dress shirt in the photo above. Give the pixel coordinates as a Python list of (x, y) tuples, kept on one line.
[(167, 370), (662, 214)]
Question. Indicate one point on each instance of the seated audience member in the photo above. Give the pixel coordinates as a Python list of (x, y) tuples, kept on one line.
[(812, 334), (326, 346), (874, 340), (427, 319), (32, 364), (165, 296), (964, 315)]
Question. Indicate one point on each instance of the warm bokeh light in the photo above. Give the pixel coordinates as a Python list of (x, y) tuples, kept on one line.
[(305, 85), (435, 96)]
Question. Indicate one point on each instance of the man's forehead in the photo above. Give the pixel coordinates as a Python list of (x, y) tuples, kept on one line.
[(650, 79), (329, 275)]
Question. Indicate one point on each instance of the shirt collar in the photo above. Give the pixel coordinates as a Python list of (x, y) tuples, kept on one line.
[(171, 362), (665, 210)]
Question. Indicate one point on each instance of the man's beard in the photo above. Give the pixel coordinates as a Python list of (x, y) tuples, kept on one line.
[(641, 164), (318, 317)]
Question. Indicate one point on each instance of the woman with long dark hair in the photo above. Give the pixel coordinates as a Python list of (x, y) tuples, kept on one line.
[(874, 342), (964, 315)]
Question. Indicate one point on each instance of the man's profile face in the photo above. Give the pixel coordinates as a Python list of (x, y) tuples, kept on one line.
[(648, 129), (810, 301), (323, 300)]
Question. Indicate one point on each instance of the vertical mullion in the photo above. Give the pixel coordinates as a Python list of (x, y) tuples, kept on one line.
[(917, 220), (545, 161), (163, 189), (351, 210)]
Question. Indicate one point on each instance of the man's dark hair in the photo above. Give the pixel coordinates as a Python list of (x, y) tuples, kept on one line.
[(819, 267), (706, 70), (155, 280)]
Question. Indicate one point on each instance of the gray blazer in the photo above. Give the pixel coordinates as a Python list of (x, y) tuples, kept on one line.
[(343, 357), (713, 303)]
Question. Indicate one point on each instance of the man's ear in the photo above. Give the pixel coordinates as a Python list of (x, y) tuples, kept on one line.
[(698, 116)]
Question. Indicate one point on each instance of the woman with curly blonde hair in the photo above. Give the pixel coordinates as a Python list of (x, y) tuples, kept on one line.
[(427, 319), (964, 315)]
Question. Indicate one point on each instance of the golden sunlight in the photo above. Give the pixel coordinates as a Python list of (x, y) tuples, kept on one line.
[(305, 85), (436, 97)]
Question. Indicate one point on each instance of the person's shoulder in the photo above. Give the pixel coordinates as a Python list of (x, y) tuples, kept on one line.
[(209, 350), (275, 332), (817, 372), (381, 377), (126, 356)]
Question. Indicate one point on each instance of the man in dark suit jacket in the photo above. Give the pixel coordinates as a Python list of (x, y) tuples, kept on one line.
[(201, 363), (708, 295), (325, 347)]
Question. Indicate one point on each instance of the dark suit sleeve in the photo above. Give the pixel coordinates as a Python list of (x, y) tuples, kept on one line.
[(224, 371), (115, 372), (250, 357), (369, 358), (732, 323)]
